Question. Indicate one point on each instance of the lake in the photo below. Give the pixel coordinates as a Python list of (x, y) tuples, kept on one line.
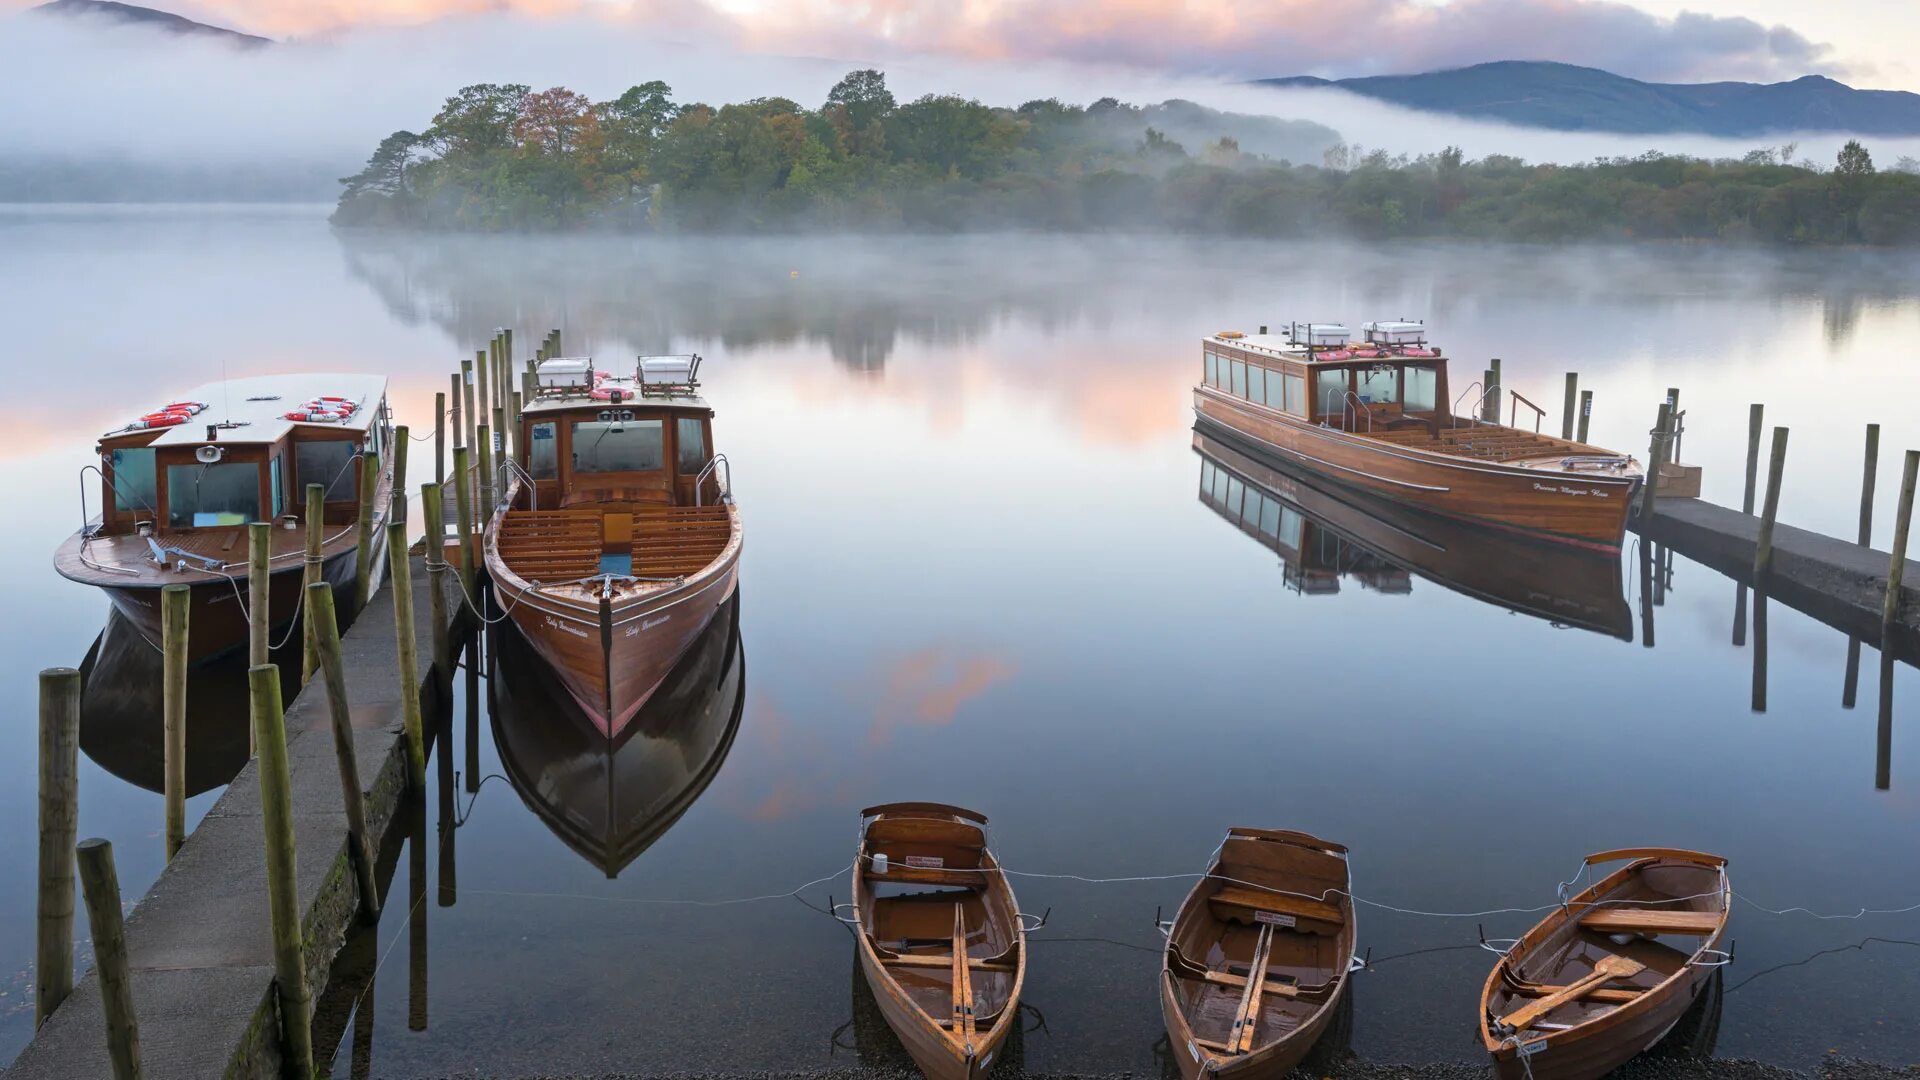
[(987, 564)]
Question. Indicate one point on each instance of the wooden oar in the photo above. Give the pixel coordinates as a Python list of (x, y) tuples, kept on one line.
[(1609, 968)]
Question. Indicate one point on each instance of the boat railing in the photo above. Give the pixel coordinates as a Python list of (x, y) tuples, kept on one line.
[(1346, 397), (509, 468), (1479, 403), (721, 470), (1519, 400)]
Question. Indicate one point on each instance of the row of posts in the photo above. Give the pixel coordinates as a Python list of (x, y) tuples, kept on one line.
[(60, 695)]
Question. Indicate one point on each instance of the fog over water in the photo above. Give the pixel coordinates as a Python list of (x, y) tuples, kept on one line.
[(985, 564)]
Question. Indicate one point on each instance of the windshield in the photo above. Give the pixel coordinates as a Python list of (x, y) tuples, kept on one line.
[(603, 446)]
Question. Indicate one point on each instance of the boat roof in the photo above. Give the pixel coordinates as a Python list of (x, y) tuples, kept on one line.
[(253, 410), (657, 382), (1279, 345)]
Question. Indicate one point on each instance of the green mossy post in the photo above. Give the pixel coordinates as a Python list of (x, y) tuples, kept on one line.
[(486, 473), (283, 898), (363, 531), (436, 545), (316, 530), (1586, 414), (401, 436), (327, 632), (174, 602), (1902, 522), (440, 437), (102, 887), (1763, 547), (400, 573), (1656, 457), (59, 818), (1867, 478), (463, 519), (1572, 405), (259, 568)]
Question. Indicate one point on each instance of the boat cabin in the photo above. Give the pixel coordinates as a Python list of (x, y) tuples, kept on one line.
[(1315, 372), (241, 451)]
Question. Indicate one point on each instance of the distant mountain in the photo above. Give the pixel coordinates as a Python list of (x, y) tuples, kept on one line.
[(1570, 98), (144, 16)]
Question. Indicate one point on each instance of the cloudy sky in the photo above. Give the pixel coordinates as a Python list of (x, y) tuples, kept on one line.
[(1864, 42)]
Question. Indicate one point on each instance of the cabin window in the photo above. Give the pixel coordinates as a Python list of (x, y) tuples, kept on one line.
[(135, 483), (1297, 395), (1422, 384), (1206, 476), (1220, 486), (1379, 386), (1329, 391), (329, 464), (1239, 387), (203, 495), (1236, 491), (690, 445), (273, 484), (1270, 517), (605, 446), (1290, 528), (1212, 371), (543, 459), (1257, 385)]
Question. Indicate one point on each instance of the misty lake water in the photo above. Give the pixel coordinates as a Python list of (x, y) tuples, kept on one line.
[(985, 564)]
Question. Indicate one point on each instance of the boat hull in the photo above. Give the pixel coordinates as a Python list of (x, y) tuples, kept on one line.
[(216, 619), (1583, 510), (929, 1049)]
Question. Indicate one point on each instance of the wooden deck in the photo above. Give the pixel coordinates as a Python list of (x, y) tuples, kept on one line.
[(566, 545), (1485, 442)]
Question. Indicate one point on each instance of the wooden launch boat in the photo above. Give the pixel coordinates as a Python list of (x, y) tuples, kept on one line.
[(1608, 974), (1326, 532), (617, 537), (1258, 955), (941, 942), (180, 484), (1378, 416)]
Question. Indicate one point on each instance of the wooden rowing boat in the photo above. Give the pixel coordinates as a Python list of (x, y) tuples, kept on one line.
[(1257, 957), (617, 537), (1379, 418), (1608, 974), (941, 940), (1324, 532), (180, 485)]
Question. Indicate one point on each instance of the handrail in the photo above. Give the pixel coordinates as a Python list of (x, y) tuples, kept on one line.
[(1355, 398), (507, 469), (1479, 403), (725, 485), (1326, 405), (1518, 400)]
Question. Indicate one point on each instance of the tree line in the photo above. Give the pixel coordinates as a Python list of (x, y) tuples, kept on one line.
[(504, 157)]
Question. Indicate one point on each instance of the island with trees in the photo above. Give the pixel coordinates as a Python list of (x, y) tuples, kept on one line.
[(500, 157)]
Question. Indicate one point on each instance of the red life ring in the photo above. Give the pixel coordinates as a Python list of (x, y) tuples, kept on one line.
[(605, 393), (314, 417), (1416, 352), (1336, 354), (602, 376), (154, 420), (190, 407)]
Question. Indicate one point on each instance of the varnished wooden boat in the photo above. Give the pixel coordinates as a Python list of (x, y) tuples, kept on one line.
[(942, 943), (610, 801), (1324, 532), (180, 485), (617, 538), (1379, 417), (1607, 975), (1257, 957)]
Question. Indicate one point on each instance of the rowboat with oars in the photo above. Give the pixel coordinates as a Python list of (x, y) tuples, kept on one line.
[(617, 538), (179, 486), (941, 941), (1257, 957), (1381, 416), (1610, 972)]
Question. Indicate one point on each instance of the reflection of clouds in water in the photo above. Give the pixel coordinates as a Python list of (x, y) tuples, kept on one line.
[(927, 687)]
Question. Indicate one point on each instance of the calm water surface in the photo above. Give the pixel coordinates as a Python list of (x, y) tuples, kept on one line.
[(987, 565)]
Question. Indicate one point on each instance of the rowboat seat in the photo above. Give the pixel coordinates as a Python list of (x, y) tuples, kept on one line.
[(1621, 920), (1238, 903)]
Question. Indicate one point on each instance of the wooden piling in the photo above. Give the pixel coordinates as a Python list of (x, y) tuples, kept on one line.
[(1571, 406), (401, 437), (1883, 730), (400, 574), (1867, 478), (334, 671), (485, 507), (259, 568), (440, 437), (1760, 649), (174, 602), (1850, 684), (1489, 396), (449, 815), (1763, 547), (473, 714), (466, 388), (457, 421), (463, 519), (417, 955), (1656, 457), (1646, 594), (1902, 519), (436, 548), (508, 376), (283, 900), (363, 529), (102, 887), (514, 427), (1754, 415), (1586, 414), (316, 522), (59, 818), (483, 383)]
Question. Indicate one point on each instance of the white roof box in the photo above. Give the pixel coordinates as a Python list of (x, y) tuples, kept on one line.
[(565, 372), (1395, 333), (1320, 334), (669, 370)]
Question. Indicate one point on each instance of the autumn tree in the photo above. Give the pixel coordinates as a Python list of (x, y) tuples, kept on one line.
[(557, 121), (478, 119)]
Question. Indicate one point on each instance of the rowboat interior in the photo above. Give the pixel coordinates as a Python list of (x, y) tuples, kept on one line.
[(1263, 946), (939, 918), (1626, 936)]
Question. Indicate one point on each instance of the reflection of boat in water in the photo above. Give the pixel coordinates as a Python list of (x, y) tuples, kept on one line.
[(611, 800), (120, 710), (1324, 533)]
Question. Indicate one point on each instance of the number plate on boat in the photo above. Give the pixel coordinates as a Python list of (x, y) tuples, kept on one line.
[(1194, 1049), (1273, 918), (1528, 1049), (931, 862)]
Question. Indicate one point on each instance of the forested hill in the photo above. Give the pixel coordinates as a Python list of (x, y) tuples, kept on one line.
[(500, 156)]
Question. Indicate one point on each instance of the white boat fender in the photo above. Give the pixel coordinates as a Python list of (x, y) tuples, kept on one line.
[(880, 863)]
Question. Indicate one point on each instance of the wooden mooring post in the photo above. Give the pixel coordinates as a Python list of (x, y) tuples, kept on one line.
[(485, 508), (316, 522), (466, 389), (363, 530), (1586, 414), (455, 422), (1883, 734), (1572, 403), (417, 959), (59, 818), (1760, 648), (1755, 414), (174, 602), (1763, 546), (483, 382), (283, 897), (259, 569), (1902, 521), (102, 887), (440, 437), (1868, 473), (333, 670), (463, 519), (513, 425), (1656, 457), (436, 550), (401, 437), (400, 573)]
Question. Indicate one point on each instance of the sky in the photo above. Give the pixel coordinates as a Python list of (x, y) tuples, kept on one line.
[(1862, 42)]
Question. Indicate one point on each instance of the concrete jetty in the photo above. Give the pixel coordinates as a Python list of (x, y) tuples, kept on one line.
[(199, 942)]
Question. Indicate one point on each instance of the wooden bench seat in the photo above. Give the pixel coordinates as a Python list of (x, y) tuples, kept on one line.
[(1623, 920), (1242, 904)]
